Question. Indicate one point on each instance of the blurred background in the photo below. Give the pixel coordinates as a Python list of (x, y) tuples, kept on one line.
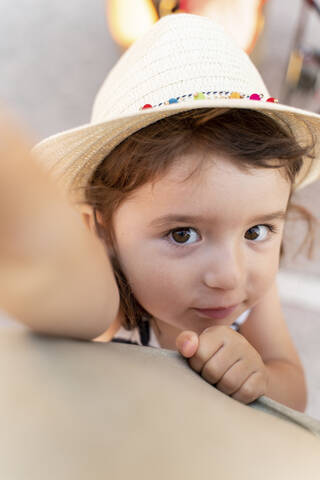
[(55, 55)]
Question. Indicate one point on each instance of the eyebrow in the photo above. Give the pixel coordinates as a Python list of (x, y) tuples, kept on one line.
[(176, 218)]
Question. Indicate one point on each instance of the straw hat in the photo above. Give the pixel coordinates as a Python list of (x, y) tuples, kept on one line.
[(183, 62), (241, 19)]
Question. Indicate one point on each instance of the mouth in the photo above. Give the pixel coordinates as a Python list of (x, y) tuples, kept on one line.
[(216, 313)]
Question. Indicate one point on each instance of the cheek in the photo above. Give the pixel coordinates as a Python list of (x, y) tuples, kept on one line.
[(155, 280), (263, 275)]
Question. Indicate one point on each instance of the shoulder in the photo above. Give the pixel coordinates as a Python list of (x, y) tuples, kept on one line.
[(266, 329)]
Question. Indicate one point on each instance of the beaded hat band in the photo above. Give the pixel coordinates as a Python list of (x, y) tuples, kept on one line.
[(182, 63), (210, 95)]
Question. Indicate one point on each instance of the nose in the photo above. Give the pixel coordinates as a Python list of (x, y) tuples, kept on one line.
[(225, 267)]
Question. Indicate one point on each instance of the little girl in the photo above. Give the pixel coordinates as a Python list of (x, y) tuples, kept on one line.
[(186, 173)]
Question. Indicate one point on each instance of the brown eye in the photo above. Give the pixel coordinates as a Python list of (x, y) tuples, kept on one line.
[(182, 235), (254, 233)]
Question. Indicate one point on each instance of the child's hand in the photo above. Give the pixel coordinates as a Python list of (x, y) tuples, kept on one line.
[(226, 359)]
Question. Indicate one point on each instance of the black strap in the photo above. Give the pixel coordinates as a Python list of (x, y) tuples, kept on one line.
[(122, 340), (144, 332)]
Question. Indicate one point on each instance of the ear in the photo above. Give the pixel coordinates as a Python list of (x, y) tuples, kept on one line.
[(87, 216), (86, 212)]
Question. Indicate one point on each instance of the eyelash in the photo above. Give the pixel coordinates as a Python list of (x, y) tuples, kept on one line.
[(272, 228)]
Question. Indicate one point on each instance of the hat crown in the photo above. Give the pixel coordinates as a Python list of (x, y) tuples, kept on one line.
[(179, 55)]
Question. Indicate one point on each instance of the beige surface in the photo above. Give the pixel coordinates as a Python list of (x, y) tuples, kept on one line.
[(84, 410)]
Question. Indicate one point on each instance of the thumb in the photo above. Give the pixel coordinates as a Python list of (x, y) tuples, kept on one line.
[(187, 343)]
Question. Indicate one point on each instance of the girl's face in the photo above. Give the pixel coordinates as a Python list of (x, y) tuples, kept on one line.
[(210, 241)]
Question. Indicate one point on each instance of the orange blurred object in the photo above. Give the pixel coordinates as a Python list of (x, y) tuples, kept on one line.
[(129, 19), (242, 19)]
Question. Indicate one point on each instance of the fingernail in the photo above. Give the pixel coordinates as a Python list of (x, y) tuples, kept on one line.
[(186, 346)]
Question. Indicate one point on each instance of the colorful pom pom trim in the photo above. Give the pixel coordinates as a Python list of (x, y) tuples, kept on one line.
[(212, 95)]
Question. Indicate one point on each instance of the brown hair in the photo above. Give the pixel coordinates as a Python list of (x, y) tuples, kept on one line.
[(250, 139)]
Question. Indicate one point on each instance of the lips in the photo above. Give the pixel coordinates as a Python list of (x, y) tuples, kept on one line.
[(216, 313)]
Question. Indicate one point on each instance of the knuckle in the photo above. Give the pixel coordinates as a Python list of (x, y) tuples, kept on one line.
[(216, 331), (248, 392), (196, 363), (211, 329), (210, 373), (207, 350), (241, 340), (227, 385)]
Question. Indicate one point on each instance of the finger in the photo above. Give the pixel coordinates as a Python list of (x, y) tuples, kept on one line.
[(187, 343), (252, 388), (210, 342), (234, 377), (217, 367)]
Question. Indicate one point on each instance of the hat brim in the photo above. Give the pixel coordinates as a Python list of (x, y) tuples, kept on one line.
[(73, 155)]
